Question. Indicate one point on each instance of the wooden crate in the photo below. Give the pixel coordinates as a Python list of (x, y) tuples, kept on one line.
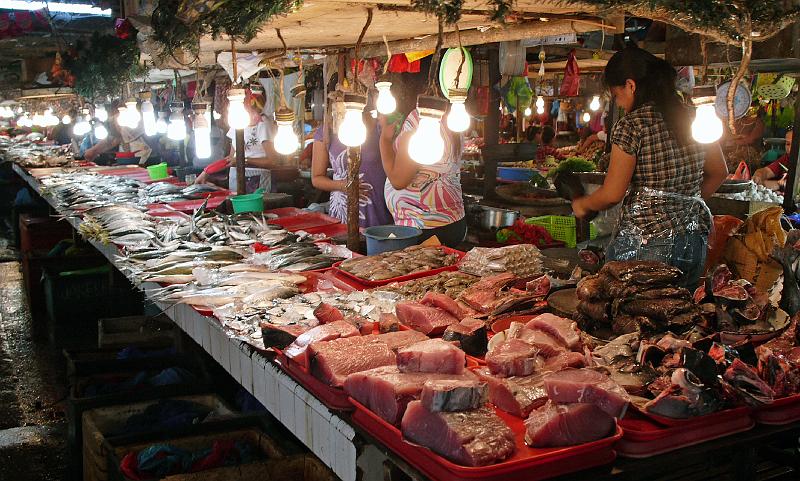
[(141, 331), (101, 422)]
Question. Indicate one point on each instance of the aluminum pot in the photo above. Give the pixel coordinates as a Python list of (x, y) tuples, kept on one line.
[(495, 218)]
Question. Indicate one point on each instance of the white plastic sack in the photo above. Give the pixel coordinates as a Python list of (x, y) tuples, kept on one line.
[(512, 59), (247, 64)]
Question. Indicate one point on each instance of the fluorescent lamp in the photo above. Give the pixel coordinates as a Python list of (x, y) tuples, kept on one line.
[(54, 7)]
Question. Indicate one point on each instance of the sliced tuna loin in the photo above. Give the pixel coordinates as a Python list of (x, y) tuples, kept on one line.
[(325, 332), (564, 360), (555, 425), (470, 438), (332, 361), (470, 334), (386, 391), (364, 325), (513, 358), (443, 302), (453, 395), (388, 323), (327, 313), (547, 345), (432, 355), (587, 386), (565, 330), (515, 395), (422, 318), (401, 339), (274, 335)]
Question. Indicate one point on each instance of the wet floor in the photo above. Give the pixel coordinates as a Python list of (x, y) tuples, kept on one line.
[(32, 388)]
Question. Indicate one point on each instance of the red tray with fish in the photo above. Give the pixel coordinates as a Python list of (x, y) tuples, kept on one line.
[(190, 206), (717, 417), (527, 464), (407, 277), (781, 411), (643, 437), (304, 221), (331, 397), (285, 211), (330, 231)]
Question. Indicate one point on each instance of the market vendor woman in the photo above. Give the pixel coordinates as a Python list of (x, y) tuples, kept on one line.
[(665, 173)]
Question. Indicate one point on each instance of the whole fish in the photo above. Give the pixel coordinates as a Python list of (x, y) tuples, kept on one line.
[(790, 297)]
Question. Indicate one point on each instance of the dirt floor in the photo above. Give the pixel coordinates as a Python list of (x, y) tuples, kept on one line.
[(32, 386)]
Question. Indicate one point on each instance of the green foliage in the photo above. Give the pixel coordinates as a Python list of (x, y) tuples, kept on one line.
[(448, 10), (240, 19), (573, 164), (104, 65)]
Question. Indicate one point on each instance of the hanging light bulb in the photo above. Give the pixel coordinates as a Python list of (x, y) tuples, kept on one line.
[(426, 145), (707, 127), (385, 103), (38, 120), (133, 116), (5, 112), (202, 131), (527, 112), (176, 130), (66, 119), (539, 103), (50, 118), (285, 139), (100, 113), (122, 117), (161, 123), (24, 121), (238, 117), (594, 105), (82, 126), (352, 131), (586, 117), (100, 131), (457, 119), (148, 118), (540, 110)]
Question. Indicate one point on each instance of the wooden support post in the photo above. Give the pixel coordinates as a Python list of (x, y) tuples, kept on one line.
[(353, 197), (241, 184), (789, 192), (491, 135)]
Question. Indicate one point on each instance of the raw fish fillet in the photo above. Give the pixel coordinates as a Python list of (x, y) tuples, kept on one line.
[(564, 360), (470, 334), (401, 339), (388, 323), (275, 335), (513, 358), (386, 391), (451, 395), (587, 386), (517, 395), (564, 330), (327, 313), (432, 355), (297, 351), (422, 318), (443, 302), (547, 345), (470, 438), (332, 361), (555, 425)]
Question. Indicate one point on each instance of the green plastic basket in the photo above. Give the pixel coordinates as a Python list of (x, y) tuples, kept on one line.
[(561, 227), (248, 203), (158, 171)]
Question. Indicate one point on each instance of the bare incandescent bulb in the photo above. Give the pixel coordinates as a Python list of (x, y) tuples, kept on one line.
[(385, 103), (527, 112), (202, 132), (457, 119), (100, 113), (594, 105), (176, 130), (148, 118), (238, 117), (161, 123), (100, 131), (539, 103), (133, 117), (586, 117), (66, 119), (426, 145), (352, 131), (82, 126), (285, 141), (707, 127)]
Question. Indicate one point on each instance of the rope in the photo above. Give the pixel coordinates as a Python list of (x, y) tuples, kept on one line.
[(233, 59), (358, 46), (388, 55), (463, 56)]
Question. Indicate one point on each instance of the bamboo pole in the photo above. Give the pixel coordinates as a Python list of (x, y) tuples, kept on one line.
[(353, 197)]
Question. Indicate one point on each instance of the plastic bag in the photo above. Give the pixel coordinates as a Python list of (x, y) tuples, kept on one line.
[(570, 87)]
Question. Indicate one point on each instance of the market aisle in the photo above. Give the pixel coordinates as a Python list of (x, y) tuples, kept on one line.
[(32, 426)]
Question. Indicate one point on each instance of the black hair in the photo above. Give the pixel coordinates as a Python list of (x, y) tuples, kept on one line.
[(548, 134), (531, 131), (655, 82)]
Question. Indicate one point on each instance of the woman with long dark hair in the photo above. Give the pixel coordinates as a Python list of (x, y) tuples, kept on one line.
[(665, 173)]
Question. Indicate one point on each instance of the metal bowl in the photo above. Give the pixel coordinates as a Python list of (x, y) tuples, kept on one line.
[(495, 218)]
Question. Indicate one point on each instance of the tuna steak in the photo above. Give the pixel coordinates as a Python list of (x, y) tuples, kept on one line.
[(422, 318), (469, 438), (297, 351), (587, 386), (332, 361), (555, 425), (327, 313), (443, 302), (564, 360), (386, 391), (470, 334), (431, 355), (280, 336), (547, 345), (401, 339), (565, 330), (515, 395), (513, 358), (452, 395)]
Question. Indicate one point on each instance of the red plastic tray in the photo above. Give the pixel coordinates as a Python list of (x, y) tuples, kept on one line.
[(407, 277), (285, 211), (781, 411), (304, 221), (528, 464), (314, 278), (330, 230), (644, 437), (189, 206), (331, 397), (715, 417)]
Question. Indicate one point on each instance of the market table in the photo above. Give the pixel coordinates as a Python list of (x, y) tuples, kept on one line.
[(354, 455)]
